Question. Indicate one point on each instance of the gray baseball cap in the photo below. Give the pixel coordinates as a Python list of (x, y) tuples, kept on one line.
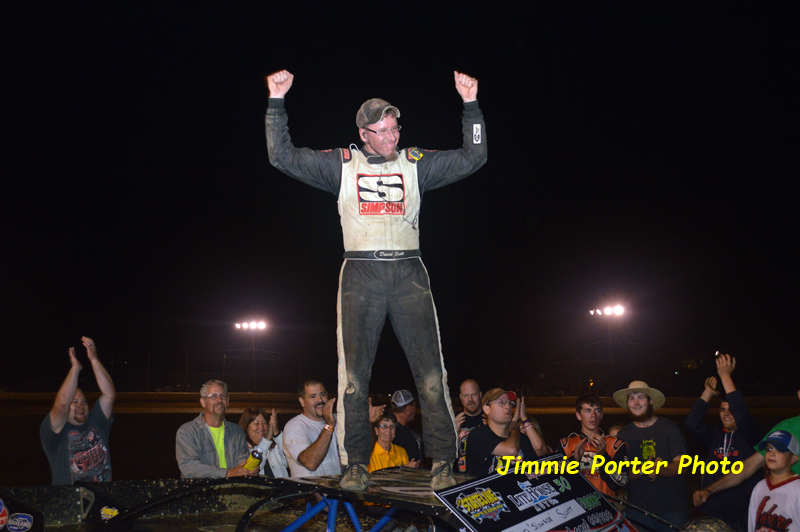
[(402, 398), (372, 111)]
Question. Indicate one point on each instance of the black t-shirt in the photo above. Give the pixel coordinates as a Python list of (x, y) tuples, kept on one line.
[(410, 441), (470, 422), (480, 445), (79, 452), (662, 440)]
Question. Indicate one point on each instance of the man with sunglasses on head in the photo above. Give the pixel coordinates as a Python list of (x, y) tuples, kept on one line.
[(210, 446), (379, 189), (508, 432)]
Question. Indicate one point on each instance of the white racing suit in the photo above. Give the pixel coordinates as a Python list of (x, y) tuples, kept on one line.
[(383, 274)]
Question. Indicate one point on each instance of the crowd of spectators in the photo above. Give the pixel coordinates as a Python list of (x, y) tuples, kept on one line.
[(493, 429)]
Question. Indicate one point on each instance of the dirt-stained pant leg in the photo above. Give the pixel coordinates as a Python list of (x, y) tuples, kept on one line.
[(368, 289), (361, 316), (413, 316)]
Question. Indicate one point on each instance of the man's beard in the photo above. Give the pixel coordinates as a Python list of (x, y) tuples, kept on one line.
[(643, 417), (391, 156)]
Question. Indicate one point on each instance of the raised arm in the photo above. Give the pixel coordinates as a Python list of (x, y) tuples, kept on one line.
[(697, 428), (60, 411), (725, 366), (279, 83), (466, 86), (444, 167), (314, 454), (320, 169), (104, 382), (745, 424)]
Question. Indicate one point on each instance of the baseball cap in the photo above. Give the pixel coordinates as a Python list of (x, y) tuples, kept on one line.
[(783, 441), (402, 398), (494, 393), (372, 111)]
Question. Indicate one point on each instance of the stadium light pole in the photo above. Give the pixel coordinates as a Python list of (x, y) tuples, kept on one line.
[(254, 327)]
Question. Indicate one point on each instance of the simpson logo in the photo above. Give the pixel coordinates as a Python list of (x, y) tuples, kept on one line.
[(107, 512), (20, 522), (3, 514), (483, 504), (476, 133), (540, 497), (381, 194)]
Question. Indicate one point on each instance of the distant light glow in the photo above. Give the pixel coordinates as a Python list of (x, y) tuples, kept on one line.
[(617, 310), (252, 325)]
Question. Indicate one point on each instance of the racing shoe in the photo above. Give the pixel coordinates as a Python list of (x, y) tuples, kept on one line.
[(442, 475), (355, 478)]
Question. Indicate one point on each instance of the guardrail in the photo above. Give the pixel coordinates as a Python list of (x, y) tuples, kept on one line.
[(25, 404)]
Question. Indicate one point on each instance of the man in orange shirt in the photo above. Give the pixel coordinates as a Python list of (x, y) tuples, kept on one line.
[(590, 441)]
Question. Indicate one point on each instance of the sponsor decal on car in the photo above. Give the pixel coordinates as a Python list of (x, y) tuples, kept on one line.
[(19, 522), (3, 514), (107, 512)]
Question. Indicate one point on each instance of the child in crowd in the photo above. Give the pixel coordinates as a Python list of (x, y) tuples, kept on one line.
[(613, 430), (775, 502)]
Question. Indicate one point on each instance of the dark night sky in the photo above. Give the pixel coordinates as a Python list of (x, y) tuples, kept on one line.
[(639, 152)]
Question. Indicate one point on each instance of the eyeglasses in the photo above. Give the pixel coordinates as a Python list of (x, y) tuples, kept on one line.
[(504, 403), (385, 131), (387, 427), (215, 396)]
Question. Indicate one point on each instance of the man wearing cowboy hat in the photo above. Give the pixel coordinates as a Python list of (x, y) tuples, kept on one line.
[(652, 438)]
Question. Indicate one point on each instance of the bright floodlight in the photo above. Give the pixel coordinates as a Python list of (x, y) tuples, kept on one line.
[(244, 326), (238, 325), (262, 325), (608, 310), (253, 325), (618, 310), (599, 312), (591, 312)]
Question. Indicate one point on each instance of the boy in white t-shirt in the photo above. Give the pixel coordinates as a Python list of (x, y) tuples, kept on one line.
[(775, 502)]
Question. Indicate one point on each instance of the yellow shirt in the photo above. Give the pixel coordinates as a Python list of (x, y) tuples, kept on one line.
[(381, 458), (218, 435)]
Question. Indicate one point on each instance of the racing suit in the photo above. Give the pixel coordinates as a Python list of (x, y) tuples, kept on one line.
[(383, 274)]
